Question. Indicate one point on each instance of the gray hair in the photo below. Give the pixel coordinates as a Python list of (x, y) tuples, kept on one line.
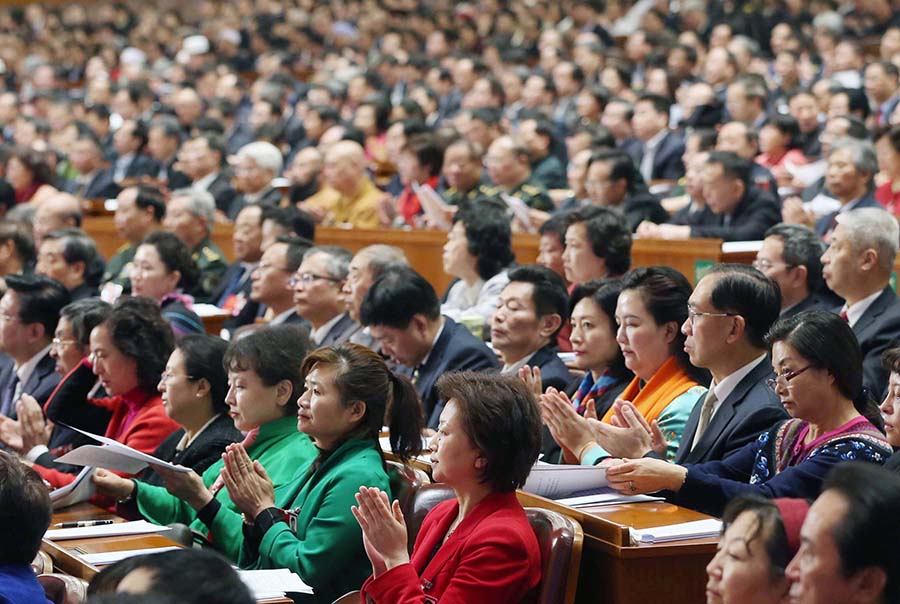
[(802, 247), (862, 152), (266, 155), (830, 20), (381, 257), (873, 228), (202, 205), (338, 259), (77, 246)]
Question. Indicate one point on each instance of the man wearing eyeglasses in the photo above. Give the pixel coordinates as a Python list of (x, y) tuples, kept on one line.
[(317, 288), (791, 256), (270, 281)]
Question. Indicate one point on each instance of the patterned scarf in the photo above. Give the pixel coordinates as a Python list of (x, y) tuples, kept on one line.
[(588, 389)]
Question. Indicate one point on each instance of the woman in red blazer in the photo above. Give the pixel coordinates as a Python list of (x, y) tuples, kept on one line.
[(478, 547)]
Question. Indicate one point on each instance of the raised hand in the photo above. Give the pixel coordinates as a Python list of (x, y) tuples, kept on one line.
[(383, 527), (248, 484)]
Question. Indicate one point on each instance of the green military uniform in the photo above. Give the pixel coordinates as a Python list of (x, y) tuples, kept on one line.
[(550, 173), (532, 194), (212, 264), (454, 197), (118, 269)]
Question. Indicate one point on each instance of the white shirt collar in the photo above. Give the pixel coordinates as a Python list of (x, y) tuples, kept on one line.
[(202, 184), (723, 389), (25, 370), (656, 139), (281, 318), (514, 368), (319, 334), (855, 312)]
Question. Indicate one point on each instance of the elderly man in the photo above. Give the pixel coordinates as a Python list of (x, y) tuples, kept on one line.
[(190, 215), (304, 174), (366, 266), (271, 289), (58, 211), (139, 212), (317, 294), (71, 257), (857, 267), (255, 165), (92, 180), (508, 164), (791, 255), (462, 171), (350, 196), (202, 158), (233, 291), (852, 164), (745, 99)]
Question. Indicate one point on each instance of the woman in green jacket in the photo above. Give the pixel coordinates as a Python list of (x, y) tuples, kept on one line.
[(306, 525), (264, 383)]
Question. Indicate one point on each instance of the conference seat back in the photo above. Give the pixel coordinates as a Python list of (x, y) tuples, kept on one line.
[(405, 482), (42, 563), (560, 539), (64, 589)]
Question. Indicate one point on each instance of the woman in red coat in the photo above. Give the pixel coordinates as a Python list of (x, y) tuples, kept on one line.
[(478, 547)]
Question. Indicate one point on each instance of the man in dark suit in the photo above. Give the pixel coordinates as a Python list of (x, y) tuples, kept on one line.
[(92, 180), (852, 164), (271, 294), (657, 150), (317, 294), (255, 165), (131, 162), (29, 312), (530, 312), (202, 159), (163, 141), (233, 291), (403, 313), (791, 255), (613, 182), (857, 267)]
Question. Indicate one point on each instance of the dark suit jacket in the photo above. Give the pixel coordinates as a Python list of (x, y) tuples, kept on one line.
[(877, 330), (272, 197), (102, 186), (750, 409), (222, 191), (225, 286), (340, 332), (810, 302), (554, 372), (62, 439), (667, 162), (455, 350), (893, 462), (40, 384), (749, 221), (642, 205), (142, 165), (826, 223)]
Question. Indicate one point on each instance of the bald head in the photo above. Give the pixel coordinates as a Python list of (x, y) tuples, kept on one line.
[(58, 211), (345, 166), (507, 162)]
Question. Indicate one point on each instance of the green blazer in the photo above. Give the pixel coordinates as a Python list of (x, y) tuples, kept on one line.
[(326, 547), (278, 447)]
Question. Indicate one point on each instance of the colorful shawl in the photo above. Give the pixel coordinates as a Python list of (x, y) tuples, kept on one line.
[(668, 383)]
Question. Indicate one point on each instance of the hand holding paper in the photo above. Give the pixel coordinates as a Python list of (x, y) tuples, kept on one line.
[(113, 456)]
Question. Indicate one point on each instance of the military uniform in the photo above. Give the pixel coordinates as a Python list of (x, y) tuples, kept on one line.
[(454, 197), (118, 269), (212, 265), (533, 195)]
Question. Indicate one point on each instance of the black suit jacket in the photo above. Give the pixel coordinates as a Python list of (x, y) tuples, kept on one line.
[(750, 409), (749, 221), (222, 191), (101, 186), (554, 372), (810, 302), (893, 462), (877, 330), (826, 223), (40, 384), (62, 439), (667, 163), (340, 332), (455, 350), (142, 165), (272, 197)]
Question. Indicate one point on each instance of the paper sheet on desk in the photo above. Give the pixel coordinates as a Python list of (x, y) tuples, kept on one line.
[(80, 489), (555, 481), (605, 497), (117, 529), (698, 529), (112, 456), (103, 558), (267, 584)]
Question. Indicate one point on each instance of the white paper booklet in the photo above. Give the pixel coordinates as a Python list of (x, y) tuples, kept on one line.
[(697, 529), (520, 211), (81, 489), (555, 481), (112, 456), (434, 207), (102, 558), (268, 584), (117, 529), (605, 497)]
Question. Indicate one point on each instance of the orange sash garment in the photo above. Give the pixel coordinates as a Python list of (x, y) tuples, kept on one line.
[(668, 383)]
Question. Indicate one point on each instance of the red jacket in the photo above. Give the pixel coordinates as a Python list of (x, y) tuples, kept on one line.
[(491, 558)]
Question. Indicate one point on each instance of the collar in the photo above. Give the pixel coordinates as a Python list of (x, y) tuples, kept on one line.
[(202, 184), (25, 370), (852, 205), (434, 342), (656, 139), (514, 368), (319, 334), (276, 429), (855, 312), (281, 318), (184, 443), (723, 389)]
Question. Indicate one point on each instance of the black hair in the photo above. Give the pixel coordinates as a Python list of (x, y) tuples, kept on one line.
[(548, 291), (397, 296), (292, 218), (79, 247), (21, 236), (488, 236), (769, 528), (173, 253), (83, 316), (857, 101), (149, 196), (557, 225), (203, 354), (610, 236), (621, 166), (382, 106), (744, 291), (428, 151), (139, 331), (801, 247), (787, 125), (660, 103), (605, 294), (40, 300), (733, 165), (326, 113), (25, 502), (35, 162)]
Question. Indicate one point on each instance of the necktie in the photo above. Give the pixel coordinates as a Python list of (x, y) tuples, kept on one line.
[(705, 415), (249, 439), (844, 315), (233, 285)]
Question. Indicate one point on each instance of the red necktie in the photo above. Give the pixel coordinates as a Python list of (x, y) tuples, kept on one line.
[(844, 316)]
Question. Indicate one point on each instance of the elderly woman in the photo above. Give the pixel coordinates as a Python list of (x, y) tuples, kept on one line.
[(759, 538), (478, 546), (306, 524), (478, 252), (162, 270), (264, 381), (818, 367)]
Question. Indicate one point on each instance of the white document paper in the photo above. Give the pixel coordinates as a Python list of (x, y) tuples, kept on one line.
[(736, 247), (697, 529), (520, 211), (555, 481), (117, 529), (822, 205), (81, 489), (605, 497), (103, 558), (112, 456), (807, 173), (434, 207), (266, 584)]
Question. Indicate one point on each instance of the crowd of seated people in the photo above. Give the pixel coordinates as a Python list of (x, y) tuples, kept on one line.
[(584, 124)]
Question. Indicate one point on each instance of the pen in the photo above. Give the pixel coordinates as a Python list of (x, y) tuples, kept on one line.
[(82, 523)]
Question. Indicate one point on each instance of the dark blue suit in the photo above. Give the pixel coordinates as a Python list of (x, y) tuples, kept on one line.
[(554, 372), (877, 330), (667, 163), (456, 349), (340, 332), (826, 223), (749, 221), (40, 384)]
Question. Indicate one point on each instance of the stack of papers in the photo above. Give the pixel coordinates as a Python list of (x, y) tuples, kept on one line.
[(103, 558), (697, 529), (270, 584), (81, 489), (605, 497), (556, 481), (113, 456), (137, 527)]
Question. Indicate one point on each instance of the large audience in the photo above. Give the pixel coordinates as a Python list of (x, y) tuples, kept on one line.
[(766, 395)]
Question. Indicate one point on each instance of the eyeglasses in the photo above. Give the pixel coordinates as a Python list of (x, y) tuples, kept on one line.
[(764, 265), (694, 313), (58, 342), (308, 278), (166, 375), (784, 378)]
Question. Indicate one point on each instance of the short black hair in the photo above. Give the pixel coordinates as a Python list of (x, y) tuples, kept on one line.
[(769, 528), (175, 256), (802, 247), (489, 237), (293, 219), (548, 291), (610, 236), (733, 165), (621, 164), (149, 196), (428, 151), (40, 299), (22, 237), (605, 294), (83, 316), (660, 103), (25, 502), (745, 291), (557, 225), (397, 296), (79, 247), (296, 249), (139, 331), (203, 356)]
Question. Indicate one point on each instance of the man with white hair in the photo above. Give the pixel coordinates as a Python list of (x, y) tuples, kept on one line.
[(255, 165), (857, 267), (852, 164), (365, 267), (349, 195), (190, 215)]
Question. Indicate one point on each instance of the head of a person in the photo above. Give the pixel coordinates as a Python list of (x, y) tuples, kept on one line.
[(139, 210), (202, 155), (887, 150), (730, 310), (290, 221), (803, 106), (365, 267), (592, 314), (851, 166), (597, 245), (345, 166), (861, 254), (29, 312), (462, 166), (264, 378), (843, 126), (611, 175), (194, 383), (848, 539), (130, 348), (70, 256), (130, 137), (16, 246), (25, 502), (480, 243), (791, 255), (270, 281), (552, 242), (162, 264), (402, 312), (759, 538), (745, 98), (246, 238), (163, 138), (650, 311), (190, 214), (738, 138), (59, 211), (508, 162), (617, 117), (26, 167), (72, 338), (848, 101), (778, 134), (305, 170), (651, 116), (420, 159), (890, 406), (726, 179), (351, 392), (489, 431), (86, 153), (531, 310), (255, 165), (318, 283)]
